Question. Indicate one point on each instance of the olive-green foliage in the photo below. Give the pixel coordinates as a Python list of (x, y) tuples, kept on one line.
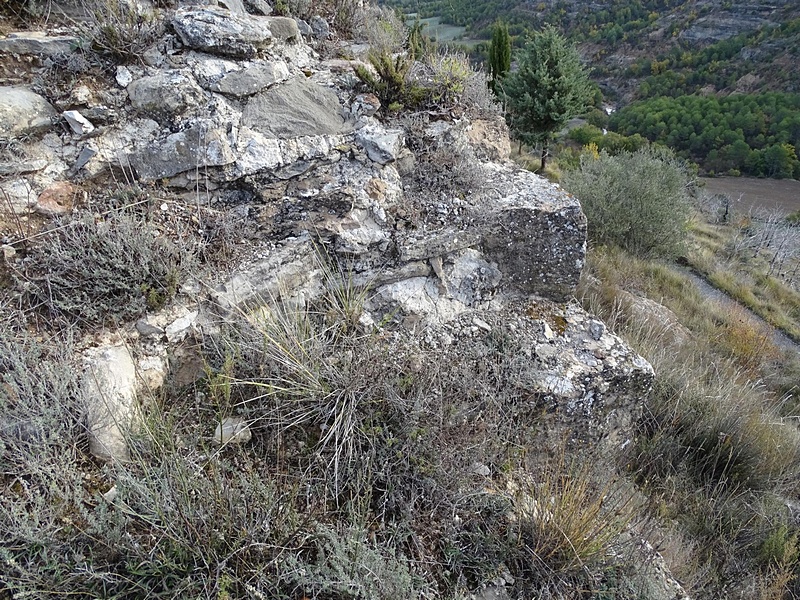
[(439, 81), (105, 271), (754, 134), (347, 566), (390, 81), (499, 53), (637, 201), (549, 87)]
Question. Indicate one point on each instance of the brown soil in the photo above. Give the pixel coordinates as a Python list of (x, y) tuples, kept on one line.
[(781, 195)]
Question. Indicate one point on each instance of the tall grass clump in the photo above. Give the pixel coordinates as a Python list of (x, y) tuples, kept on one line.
[(635, 200), (550, 529)]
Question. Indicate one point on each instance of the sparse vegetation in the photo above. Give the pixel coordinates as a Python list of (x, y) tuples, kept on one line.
[(716, 453)]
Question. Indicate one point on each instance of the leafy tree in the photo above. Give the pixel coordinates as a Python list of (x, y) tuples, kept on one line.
[(499, 54), (547, 90)]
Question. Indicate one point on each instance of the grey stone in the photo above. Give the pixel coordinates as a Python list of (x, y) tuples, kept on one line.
[(296, 108), (37, 43), (216, 30), (23, 166), (596, 329), (320, 27), (258, 7), (304, 28), (19, 194), (8, 251), (181, 327), (77, 122), (536, 234), (251, 79), (110, 390), (23, 112), (381, 145), (232, 430), (284, 29), (123, 76), (147, 330), (235, 6), (202, 145), (365, 105), (165, 95)]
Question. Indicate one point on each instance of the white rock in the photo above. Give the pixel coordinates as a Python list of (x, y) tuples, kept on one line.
[(124, 76), (152, 372), (78, 122), (232, 430), (180, 328), (19, 193), (110, 389)]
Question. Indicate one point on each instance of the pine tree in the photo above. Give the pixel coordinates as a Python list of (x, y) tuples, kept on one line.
[(548, 89), (499, 54)]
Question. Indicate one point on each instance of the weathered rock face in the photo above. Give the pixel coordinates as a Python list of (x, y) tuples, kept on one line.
[(298, 107)]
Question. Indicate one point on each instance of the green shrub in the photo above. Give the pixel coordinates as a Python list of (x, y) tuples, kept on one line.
[(637, 201), (107, 271)]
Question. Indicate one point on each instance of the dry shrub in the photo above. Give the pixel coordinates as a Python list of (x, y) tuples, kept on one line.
[(748, 342), (119, 30), (552, 530), (94, 271)]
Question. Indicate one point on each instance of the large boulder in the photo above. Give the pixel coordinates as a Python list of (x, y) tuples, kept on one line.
[(248, 79), (219, 31), (204, 144), (166, 95)]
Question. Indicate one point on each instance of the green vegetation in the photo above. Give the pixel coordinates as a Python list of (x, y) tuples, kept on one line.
[(717, 450), (637, 201), (499, 55), (754, 259), (548, 88), (686, 70), (752, 134)]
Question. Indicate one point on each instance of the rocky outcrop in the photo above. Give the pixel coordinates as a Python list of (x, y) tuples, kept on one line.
[(453, 240)]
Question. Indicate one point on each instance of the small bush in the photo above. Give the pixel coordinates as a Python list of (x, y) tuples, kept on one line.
[(637, 201), (119, 30), (346, 566), (551, 530), (97, 272), (440, 82)]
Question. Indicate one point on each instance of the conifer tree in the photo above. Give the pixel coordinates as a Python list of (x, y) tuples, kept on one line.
[(499, 54), (548, 89)]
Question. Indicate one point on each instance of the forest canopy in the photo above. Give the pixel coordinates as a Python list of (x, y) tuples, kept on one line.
[(751, 134)]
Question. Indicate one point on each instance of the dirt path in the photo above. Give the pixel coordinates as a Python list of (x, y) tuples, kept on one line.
[(779, 338)]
